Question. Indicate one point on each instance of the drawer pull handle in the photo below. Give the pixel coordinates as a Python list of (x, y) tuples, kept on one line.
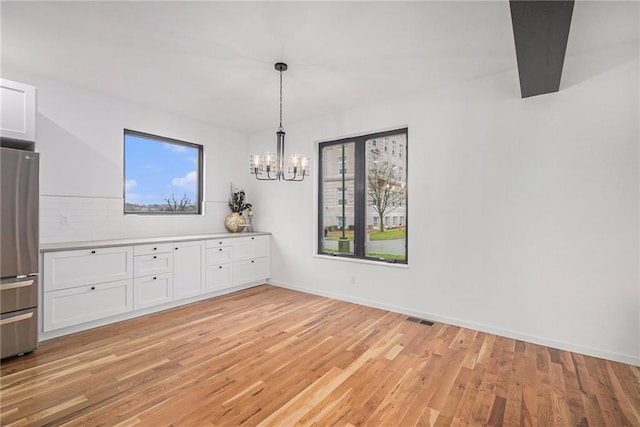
[(253, 238), (155, 278), (17, 285), (176, 249), (155, 257), (16, 319), (93, 288), (252, 261), (155, 249), (93, 252), (220, 267), (220, 249)]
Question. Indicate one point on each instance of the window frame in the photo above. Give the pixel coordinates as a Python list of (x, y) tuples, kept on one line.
[(163, 139), (360, 195)]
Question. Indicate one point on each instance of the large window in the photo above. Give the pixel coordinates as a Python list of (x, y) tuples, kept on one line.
[(371, 171), (161, 175)]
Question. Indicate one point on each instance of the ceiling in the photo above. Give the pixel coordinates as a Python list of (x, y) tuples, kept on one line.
[(213, 61)]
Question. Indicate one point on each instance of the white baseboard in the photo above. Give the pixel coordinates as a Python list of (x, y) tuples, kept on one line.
[(561, 345)]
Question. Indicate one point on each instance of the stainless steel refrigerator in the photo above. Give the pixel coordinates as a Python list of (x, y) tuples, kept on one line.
[(19, 210)]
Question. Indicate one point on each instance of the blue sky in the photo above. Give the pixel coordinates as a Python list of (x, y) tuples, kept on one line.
[(154, 170)]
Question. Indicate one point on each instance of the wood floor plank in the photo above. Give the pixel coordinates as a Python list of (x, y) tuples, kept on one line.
[(272, 356)]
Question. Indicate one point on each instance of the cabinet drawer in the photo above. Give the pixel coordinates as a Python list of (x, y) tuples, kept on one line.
[(219, 255), (216, 243), (67, 269), (252, 270), (152, 290), (145, 265), (156, 248), (251, 247), (69, 307), (219, 277)]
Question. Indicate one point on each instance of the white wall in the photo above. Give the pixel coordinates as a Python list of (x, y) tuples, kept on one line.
[(80, 138), (523, 213)]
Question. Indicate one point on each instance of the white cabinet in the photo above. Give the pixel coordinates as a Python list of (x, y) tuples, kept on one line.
[(219, 276), (17, 111), (216, 243), (157, 248), (219, 255), (67, 269), (69, 307), (237, 261), (251, 259), (146, 265), (251, 270), (85, 288), (84, 285), (153, 275), (188, 269), (250, 247), (153, 290)]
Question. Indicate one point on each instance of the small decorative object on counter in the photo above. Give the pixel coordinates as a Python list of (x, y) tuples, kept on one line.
[(235, 222), (249, 227)]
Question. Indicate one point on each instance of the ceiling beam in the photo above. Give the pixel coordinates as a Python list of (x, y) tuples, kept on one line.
[(541, 31)]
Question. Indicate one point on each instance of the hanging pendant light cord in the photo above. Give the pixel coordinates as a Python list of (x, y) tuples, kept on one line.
[(280, 128)]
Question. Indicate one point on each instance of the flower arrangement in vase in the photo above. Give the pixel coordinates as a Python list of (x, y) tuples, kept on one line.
[(235, 222)]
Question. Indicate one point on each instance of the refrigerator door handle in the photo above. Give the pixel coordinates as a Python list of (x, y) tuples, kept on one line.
[(23, 284), (16, 318)]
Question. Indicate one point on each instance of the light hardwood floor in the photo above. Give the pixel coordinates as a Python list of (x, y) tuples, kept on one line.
[(271, 356)]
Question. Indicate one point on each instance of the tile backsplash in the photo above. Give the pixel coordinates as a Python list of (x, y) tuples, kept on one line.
[(71, 219)]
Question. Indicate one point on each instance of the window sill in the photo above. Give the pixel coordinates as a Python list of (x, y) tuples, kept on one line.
[(361, 261)]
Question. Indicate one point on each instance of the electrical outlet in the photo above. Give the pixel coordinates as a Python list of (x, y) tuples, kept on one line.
[(64, 219), (354, 279)]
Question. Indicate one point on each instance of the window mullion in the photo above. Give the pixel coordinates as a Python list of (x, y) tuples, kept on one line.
[(360, 211)]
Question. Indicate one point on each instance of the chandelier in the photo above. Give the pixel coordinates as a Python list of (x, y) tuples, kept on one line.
[(269, 166)]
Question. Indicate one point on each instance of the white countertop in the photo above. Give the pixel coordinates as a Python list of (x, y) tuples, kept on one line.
[(63, 246)]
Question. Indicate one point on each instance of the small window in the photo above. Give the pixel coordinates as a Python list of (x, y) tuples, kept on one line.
[(161, 175)]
